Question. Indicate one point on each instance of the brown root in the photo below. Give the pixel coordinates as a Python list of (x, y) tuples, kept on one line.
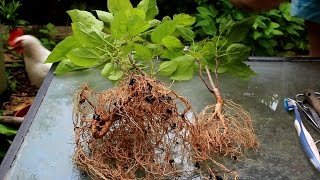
[(130, 130), (223, 133), (142, 129)]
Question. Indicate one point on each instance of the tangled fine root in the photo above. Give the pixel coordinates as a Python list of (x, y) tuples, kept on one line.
[(142, 129), (130, 130), (225, 133)]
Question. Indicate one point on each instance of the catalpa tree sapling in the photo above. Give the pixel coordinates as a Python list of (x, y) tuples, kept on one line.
[(139, 124)]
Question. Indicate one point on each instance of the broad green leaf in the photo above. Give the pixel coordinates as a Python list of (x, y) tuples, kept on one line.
[(136, 22), (167, 68), (204, 22), (149, 7), (88, 35), (256, 35), (209, 49), (237, 52), (154, 22), (115, 75), (210, 30), (172, 42), (185, 33), (260, 22), (107, 69), (241, 70), (288, 46), (165, 29), (185, 68), (61, 50), (196, 55), (276, 32), (65, 66), (129, 23), (8, 131), (184, 20), (115, 6), (225, 25), (86, 57), (142, 52), (274, 25), (170, 54), (204, 11), (119, 25), (127, 49), (86, 18), (275, 12), (166, 18), (105, 16), (240, 29)]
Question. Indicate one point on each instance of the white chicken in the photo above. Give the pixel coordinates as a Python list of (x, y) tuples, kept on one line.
[(34, 55)]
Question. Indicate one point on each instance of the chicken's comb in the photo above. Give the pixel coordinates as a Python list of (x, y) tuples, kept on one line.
[(17, 32)]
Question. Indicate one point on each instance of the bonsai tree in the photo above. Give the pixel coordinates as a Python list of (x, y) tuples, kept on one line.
[(141, 128)]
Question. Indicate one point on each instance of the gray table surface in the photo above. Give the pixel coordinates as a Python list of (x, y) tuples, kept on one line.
[(48, 146)]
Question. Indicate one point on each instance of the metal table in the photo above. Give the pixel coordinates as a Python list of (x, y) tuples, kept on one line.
[(44, 144)]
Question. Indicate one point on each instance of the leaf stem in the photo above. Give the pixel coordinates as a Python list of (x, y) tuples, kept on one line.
[(201, 76)]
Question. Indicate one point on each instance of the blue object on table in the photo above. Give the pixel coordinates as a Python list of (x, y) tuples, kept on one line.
[(307, 142)]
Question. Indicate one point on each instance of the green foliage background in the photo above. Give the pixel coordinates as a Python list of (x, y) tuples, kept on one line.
[(274, 33)]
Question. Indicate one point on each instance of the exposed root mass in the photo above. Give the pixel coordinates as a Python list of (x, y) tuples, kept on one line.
[(140, 129)]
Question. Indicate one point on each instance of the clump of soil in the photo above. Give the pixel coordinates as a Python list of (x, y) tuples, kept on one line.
[(130, 130)]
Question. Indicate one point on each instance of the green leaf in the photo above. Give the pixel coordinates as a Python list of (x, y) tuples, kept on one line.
[(61, 50), (105, 16), (88, 35), (119, 25), (115, 6), (6, 130), (66, 66), (185, 33), (86, 18), (288, 46), (260, 22), (256, 35), (209, 49), (165, 29), (115, 75), (225, 25), (185, 68), (172, 42), (136, 22), (86, 57), (240, 29), (184, 19), (276, 32), (237, 52), (142, 52), (170, 54), (107, 69), (241, 70), (204, 11), (167, 68), (274, 25), (149, 7), (129, 23)]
